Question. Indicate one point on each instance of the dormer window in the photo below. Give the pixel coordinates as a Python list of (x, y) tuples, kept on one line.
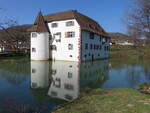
[(34, 35), (90, 26), (54, 25), (70, 23)]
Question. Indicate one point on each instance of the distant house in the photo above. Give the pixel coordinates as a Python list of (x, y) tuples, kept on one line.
[(121, 39), (7, 47), (69, 36), (126, 43)]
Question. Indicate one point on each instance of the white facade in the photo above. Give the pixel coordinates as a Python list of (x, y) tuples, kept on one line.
[(39, 46), (62, 52), (40, 74), (68, 43)]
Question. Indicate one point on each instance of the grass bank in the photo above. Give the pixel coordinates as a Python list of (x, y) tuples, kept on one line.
[(109, 101), (129, 52)]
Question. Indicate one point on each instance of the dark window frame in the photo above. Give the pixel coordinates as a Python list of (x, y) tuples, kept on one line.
[(54, 25), (70, 34), (70, 23)]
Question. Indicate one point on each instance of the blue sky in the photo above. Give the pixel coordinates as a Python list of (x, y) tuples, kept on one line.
[(109, 13)]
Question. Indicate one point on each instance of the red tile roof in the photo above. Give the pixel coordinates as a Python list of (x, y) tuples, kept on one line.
[(39, 25), (86, 23)]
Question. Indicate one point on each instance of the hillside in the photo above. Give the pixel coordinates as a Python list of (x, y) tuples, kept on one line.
[(120, 36), (15, 32)]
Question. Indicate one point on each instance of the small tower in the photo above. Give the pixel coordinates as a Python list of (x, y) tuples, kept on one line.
[(40, 39)]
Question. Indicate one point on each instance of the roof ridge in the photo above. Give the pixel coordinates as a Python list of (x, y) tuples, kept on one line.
[(59, 12)]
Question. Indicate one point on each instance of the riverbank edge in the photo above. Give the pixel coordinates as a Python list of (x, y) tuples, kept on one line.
[(13, 54), (117, 100)]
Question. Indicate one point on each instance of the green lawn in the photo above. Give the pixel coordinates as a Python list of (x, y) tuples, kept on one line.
[(109, 101), (129, 53)]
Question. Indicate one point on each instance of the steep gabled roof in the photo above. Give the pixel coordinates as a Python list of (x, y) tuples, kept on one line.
[(39, 24), (85, 22)]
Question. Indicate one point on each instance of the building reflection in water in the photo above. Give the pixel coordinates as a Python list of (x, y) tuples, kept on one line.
[(65, 80)]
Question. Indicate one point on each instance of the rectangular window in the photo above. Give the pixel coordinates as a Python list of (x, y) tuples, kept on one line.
[(53, 25), (33, 70), (106, 39), (53, 47), (68, 86), (33, 50), (34, 35), (100, 47), (57, 37), (91, 46), (105, 48), (69, 34), (100, 38), (70, 75), (70, 23), (86, 46), (70, 46), (103, 40), (91, 35)]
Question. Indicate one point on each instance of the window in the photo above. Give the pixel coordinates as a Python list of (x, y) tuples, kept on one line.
[(91, 26), (34, 85), (86, 46), (100, 38), (53, 72), (54, 25), (103, 41), (100, 47), (68, 86), (34, 35), (94, 47), (57, 37), (69, 34), (33, 50), (91, 35), (33, 70), (68, 97), (70, 75), (70, 46), (53, 47), (85, 56), (105, 48), (53, 93), (106, 39), (57, 83), (91, 46), (70, 23), (97, 47)]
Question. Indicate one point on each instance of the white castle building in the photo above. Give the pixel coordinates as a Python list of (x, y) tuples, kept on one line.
[(68, 36)]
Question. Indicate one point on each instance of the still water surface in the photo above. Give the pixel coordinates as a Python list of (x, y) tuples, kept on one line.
[(43, 85)]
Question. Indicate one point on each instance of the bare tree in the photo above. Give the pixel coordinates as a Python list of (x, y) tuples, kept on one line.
[(139, 19), (14, 34)]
